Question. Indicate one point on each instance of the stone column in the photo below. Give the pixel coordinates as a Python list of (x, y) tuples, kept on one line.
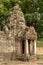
[(18, 47), (26, 48), (31, 47), (34, 46)]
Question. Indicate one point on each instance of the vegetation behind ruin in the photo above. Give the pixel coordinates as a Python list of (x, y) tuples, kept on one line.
[(33, 12)]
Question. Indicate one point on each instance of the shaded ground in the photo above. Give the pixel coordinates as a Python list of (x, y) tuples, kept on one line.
[(33, 60), (37, 62)]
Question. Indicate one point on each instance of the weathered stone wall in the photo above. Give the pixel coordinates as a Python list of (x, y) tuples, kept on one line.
[(5, 44), (39, 51)]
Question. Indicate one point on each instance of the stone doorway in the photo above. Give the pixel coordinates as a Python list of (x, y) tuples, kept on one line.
[(27, 47)]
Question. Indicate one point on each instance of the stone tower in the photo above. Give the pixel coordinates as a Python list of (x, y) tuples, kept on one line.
[(16, 20)]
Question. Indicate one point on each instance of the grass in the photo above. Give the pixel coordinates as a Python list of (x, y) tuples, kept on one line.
[(39, 56)]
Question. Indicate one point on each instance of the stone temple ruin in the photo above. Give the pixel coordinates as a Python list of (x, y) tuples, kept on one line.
[(16, 36)]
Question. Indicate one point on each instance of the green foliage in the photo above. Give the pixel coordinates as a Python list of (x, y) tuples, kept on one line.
[(40, 43)]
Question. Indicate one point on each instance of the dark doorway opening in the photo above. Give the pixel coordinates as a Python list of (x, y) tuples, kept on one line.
[(29, 46), (23, 46)]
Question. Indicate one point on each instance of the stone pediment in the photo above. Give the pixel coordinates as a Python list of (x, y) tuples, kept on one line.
[(31, 33)]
